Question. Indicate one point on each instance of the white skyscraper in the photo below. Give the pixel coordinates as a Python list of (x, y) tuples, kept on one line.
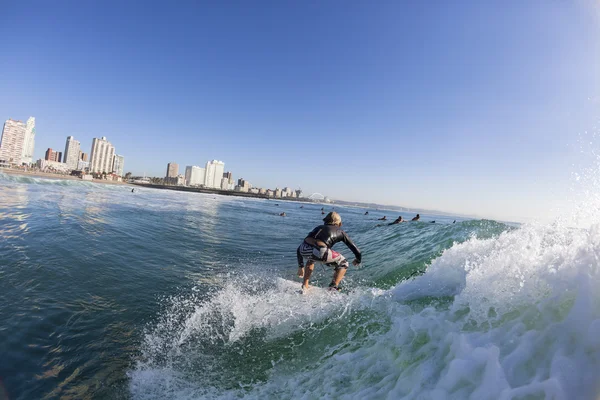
[(71, 156), (28, 142), (101, 159), (214, 174), (194, 176), (11, 144), (119, 165)]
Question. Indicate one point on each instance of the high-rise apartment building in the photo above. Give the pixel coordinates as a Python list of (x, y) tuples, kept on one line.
[(214, 174), (102, 155), (28, 142), (194, 176), (118, 165), (172, 170), (11, 144), (72, 150), (83, 156), (52, 155)]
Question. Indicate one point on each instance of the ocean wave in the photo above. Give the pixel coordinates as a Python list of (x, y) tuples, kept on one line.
[(509, 316)]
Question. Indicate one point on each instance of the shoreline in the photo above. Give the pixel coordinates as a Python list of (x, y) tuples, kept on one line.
[(47, 175), (221, 192)]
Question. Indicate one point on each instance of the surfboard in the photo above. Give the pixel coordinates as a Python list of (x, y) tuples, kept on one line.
[(288, 286)]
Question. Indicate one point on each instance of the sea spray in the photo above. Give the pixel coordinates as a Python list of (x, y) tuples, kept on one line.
[(522, 323)]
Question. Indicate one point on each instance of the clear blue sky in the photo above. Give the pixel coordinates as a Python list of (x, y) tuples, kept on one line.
[(470, 106)]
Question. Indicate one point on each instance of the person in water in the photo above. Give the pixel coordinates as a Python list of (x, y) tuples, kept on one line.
[(367, 213), (416, 218), (397, 220), (316, 247), (382, 219), (282, 214)]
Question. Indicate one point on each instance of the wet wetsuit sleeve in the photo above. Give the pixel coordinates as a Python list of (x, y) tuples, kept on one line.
[(348, 242)]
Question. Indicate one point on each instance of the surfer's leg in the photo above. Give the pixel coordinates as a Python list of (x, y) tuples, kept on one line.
[(310, 265), (340, 263), (338, 275), (300, 262)]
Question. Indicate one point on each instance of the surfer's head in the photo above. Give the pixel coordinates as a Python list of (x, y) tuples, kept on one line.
[(333, 218)]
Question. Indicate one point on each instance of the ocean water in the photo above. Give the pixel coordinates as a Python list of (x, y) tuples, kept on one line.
[(157, 294)]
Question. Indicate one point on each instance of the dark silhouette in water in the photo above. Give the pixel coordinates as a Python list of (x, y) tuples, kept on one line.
[(382, 219), (397, 221), (416, 218)]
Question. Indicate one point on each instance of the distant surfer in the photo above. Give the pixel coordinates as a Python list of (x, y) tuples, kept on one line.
[(397, 221), (132, 190), (382, 219), (282, 214), (416, 218), (322, 212), (316, 247), (301, 206), (367, 213)]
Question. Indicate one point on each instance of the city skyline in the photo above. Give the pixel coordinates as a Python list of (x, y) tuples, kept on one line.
[(471, 107)]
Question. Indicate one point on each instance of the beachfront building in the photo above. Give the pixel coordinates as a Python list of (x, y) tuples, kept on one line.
[(52, 166), (214, 174), (118, 165), (72, 150), (83, 156), (194, 176), (243, 186), (224, 184), (172, 170), (54, 156), (28, 142), (83, 166), (11, 144), (277, 193), (102, 156)]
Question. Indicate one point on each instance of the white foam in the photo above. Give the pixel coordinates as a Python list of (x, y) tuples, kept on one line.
[(525, 321)]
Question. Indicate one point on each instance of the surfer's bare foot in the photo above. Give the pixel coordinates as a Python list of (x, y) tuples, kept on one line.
[(300, 272)]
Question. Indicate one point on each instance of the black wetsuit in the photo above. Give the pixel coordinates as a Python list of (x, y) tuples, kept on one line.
[(332, 234)]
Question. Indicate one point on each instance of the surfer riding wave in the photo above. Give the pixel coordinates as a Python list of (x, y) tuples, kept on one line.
[(316, 247)]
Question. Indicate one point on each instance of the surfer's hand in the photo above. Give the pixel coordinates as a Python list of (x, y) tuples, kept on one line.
[(300, 272), (355, 262)]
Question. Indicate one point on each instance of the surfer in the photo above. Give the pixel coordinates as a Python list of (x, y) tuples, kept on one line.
[(367, 213), (397, 221), (416, 218), (282, 214), (316, 247), (382, 219)]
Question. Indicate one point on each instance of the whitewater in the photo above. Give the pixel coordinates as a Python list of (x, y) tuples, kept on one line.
[(156, 294)]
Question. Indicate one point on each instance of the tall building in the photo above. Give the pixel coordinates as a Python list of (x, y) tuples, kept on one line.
[(101, 158), (11, 145), (52, 155), (83, 156), (119, 165), (172, 170), (72, 150), (214, 174), (194, 176), (28, 142)]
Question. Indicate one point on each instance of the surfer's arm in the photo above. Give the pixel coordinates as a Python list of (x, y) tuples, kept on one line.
[(348, 242)]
